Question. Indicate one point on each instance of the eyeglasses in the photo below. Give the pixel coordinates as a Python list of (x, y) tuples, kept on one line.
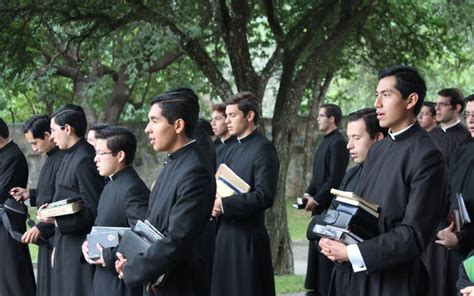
[(442, 104), (52, 130), (468, 115), (97, 153), (322, 115)]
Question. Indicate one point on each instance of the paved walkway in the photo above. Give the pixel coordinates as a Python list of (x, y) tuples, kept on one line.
[(300, 255)]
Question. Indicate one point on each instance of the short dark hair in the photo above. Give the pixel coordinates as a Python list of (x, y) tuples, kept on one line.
[(98, 127), (4, 132), (119, 139), (370, 119), (219, 108), (333, 110), (469, 98), (246, 102), (455, 95), (408, 81), (74, 116), (432, 107), (37, 125), (179, 103)]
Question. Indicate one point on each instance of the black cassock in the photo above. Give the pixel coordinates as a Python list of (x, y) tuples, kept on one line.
[(44, 193), (222, 147), (340, 282), (77, 178), (461, 176), (330, 163), (180, 205), (407, 177), (450, 139), (123, 201), (242, 259), (16, 270)]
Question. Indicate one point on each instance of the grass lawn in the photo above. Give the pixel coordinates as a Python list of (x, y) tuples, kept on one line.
[(289, 284), (297, 221)]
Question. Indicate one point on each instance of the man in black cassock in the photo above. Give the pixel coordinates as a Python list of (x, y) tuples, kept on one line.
[(123, 202), (406, 175), (36, 131), (180, 203), (16, 270), (330, 163), (363, 130), (450, 133), (459, 244), (77, 178), (224, 139), (242, 259)]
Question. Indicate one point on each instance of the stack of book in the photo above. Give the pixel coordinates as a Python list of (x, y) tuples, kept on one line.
[(138, 240), (229, 183), (353, 220), (61, 208), (105, 236)]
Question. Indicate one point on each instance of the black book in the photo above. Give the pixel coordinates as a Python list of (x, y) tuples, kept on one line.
[(107, 237), (137, 241)]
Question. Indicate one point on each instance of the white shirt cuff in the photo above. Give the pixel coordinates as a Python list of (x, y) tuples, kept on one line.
[(355, 257)]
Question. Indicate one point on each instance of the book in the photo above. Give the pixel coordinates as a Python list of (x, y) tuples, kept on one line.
[(300, 203), (229, 183), (61, 208), (336, 233), (138, 240), (351, 197), (459, 214), (358, 204)]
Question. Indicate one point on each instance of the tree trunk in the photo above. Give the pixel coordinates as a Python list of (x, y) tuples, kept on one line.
[(120, 94)]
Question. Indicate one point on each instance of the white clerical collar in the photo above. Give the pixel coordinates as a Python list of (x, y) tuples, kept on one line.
[(393, 135), (445, 128)]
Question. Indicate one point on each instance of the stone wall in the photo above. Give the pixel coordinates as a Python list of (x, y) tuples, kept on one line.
[(148, 163)]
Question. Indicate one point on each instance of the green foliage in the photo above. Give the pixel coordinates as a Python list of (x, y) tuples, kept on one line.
[(297, 221)]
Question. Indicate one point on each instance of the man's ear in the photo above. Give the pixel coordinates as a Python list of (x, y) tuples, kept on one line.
[(179, 125), (458, 108), (121, 155), (250, 116), (332, 119), (47, 135), (379, 137), (69, 129), (412, 100)]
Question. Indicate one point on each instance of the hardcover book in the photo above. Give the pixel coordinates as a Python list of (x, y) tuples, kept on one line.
[(229, 183), (61, 208), (138, 240)]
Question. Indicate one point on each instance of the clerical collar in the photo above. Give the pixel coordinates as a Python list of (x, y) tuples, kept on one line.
[(445, 128), (181, 150), (228, 140), (399, 135), (114, 176), (248, 137)]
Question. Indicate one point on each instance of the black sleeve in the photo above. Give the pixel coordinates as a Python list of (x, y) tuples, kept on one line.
[(194, 198), (136, 204), (90, 187), (338, 160), (261, 197), (7, 171)]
